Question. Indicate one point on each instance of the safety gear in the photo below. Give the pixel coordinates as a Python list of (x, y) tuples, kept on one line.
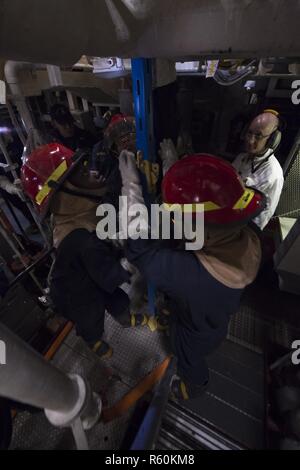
[(231, 255), (131, 188), (182, 390), (210, 181), (11, 188), (168, 154), (130, 320), (102, 349), (44, 171), (120, 134), (72, 212), (128, 169)]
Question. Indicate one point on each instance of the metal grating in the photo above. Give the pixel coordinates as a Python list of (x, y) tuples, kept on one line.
[(233, 403), (136, 352), (182, 429), (33, 431), (289, 203)]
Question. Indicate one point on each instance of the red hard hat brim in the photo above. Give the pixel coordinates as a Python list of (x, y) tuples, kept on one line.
[(230, 217)]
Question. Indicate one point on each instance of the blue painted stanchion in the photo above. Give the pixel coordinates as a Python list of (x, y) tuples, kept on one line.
[(142, 92), (148, 432)]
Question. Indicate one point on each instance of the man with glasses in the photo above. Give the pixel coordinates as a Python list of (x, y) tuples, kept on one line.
[(258, 166)]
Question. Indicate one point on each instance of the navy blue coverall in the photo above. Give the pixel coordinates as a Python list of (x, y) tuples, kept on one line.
[(201, 306), (85, 282)]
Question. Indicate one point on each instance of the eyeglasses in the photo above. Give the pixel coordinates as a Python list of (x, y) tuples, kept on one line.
[(258, 137)]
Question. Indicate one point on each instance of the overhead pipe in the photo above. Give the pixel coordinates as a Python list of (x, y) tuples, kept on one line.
[(12, 70), (15, 123)]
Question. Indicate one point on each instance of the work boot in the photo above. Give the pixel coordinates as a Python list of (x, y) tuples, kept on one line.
[(101, 349), (128, 320), (182, 390), (163, 320), (131, 320)]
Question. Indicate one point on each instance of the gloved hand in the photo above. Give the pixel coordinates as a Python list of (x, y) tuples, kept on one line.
[(128, 168), (168, 154), (11, 188), (131, 185)]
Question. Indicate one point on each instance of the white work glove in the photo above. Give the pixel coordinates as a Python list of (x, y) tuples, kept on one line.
[(131, 187), (168, 154), (138, 286), (11, 188)]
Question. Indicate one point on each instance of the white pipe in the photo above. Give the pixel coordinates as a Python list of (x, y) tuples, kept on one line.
[(54, 75), (15, 123), (28, 378), (12, 70)]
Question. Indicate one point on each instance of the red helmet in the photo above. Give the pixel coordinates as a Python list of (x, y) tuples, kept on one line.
[(44, 170), (121, 133), (213, 182)]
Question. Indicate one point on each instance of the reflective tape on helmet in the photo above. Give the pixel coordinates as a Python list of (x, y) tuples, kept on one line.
[(188, 208), (55, 176), (210, 206), (245, 200)]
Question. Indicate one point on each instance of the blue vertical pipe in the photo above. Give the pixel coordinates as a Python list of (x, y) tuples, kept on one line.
[(142, 92)]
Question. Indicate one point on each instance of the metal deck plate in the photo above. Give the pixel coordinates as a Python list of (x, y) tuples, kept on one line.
[(233, 403), (136, 351)]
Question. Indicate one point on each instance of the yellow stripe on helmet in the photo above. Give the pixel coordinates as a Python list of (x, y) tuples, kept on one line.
[(189, 208), (210, 206), (245, 199), (55, 176)]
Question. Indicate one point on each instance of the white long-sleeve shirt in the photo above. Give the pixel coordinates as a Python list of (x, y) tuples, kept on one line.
[(265, 174)]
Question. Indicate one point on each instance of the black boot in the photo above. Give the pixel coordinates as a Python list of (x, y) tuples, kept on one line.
[(102, 349), (182, 390), (129, 320)]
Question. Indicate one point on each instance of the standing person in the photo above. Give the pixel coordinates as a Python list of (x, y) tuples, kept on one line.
[(204, 286), (67, 132), (258, 166), (87, 274)]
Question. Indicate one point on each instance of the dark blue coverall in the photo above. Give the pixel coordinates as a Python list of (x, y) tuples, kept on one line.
[(201, 305), (85, 282)]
